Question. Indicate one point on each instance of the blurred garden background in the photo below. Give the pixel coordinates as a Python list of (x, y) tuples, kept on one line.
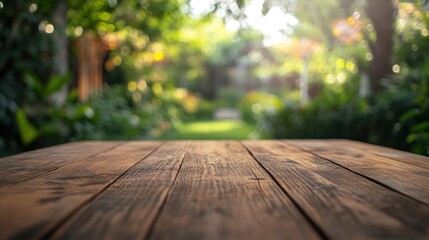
[(74, 70)]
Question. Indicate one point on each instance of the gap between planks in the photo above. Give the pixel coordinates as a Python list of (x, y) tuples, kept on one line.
[(141, 218), (65, 164), (54, 197), (225, 199), (127, 208), (83, 204), (164, 201), (228, 149), (316, 227), (273, 157), (29, 165), (369, 178), (405, 191)]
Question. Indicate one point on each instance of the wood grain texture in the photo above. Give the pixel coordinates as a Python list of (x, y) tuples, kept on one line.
[(394, 154), (343, 204), (265, 189), (128, 207), (342, 145), (27, 165), (224, 195), (392, 173), (34, 207)]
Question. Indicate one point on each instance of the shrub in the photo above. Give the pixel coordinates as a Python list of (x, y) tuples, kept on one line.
[(114, 113), (254, 105), (345, 115)]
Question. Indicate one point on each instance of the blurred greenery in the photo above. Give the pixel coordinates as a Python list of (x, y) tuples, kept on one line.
[(168, 69), (214, 130)]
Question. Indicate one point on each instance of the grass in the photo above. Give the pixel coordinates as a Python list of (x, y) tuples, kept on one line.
[(222, 129)]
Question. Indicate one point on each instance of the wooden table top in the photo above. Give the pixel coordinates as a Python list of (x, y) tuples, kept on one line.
[(267, 189)]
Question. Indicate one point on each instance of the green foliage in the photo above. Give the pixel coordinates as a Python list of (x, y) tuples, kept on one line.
[(256, 105), (101, 16), (95, 15), (112, 114), (199, 43), (396, 117), (345, 115), (39, 91), (225, 129), (106, 116), (417, 117), (204, 111), (156, 54), (155, 18), (27, 131), (31, 116), (229, 97), (25, 46), (412, 29)]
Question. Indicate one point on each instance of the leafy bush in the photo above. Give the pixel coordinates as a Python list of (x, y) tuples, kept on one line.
[(254, 105), (204, 111), (347, 116), (417, 117), (118, 115), (229, 97), (114, 113)]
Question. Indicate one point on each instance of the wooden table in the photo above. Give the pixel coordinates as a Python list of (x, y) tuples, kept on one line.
[(325, 189)]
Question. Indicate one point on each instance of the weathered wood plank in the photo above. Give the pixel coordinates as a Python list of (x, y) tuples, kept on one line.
[(406, 178), (24, 166), (34, 207), (224, 195), (341, 145), (343, 204), (127, 209), (390, 153)]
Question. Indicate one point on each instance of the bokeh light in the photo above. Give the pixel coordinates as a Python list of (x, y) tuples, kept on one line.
[(33, 7), (49, 28), (396, 68)]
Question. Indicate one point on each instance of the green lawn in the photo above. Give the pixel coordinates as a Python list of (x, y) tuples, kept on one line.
[(223, 129)]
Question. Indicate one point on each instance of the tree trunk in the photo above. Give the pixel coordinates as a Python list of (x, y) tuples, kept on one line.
[(61, 41), (381, 13)]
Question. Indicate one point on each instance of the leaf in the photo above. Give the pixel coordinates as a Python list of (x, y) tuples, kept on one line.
[(33, 82), (411, 138), (72, 96), (424, 137), (55, 84), (421, 127), (410, 115), (27, 131)]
